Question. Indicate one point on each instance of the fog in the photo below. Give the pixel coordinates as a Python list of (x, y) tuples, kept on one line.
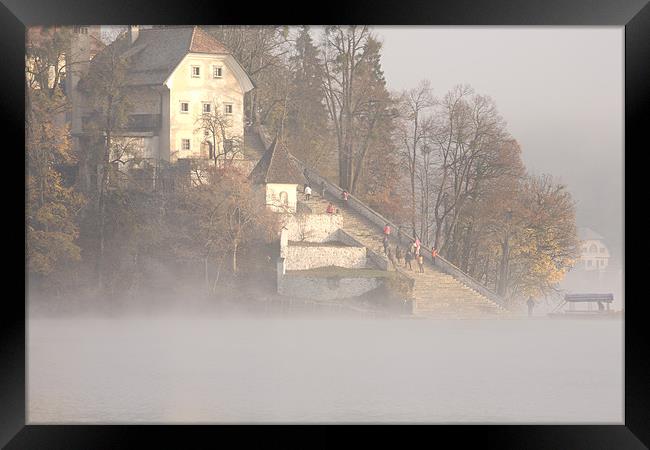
[(561, 91), (330, 370), (177, 356), (559, 88)]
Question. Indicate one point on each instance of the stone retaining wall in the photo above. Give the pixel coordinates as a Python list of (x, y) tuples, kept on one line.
[(311, 257), (376, 260), (313, 227), (316, 288)]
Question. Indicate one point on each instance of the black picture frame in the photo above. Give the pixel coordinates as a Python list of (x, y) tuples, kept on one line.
[(17, 14)]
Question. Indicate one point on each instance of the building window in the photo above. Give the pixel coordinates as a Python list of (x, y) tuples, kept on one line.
[(81, 30), (593, 249), (206, 132), (207, 108), (185, 144), (185, 107), (217, 72), (196, 72), (228, 108)]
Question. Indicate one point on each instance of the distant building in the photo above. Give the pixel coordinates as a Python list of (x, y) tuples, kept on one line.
[(595, 270), (85, 43), (594, 254)]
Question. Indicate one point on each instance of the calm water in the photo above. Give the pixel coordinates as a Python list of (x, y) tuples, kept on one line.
[(301, 370)]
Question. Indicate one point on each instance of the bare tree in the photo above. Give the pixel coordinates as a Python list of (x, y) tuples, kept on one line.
[(413, 132), (216, 126), (105, 88), (261, 50)]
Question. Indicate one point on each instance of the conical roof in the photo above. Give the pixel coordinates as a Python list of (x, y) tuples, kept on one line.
[(276, 166)]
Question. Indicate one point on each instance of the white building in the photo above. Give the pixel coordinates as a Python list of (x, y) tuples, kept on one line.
[(175, 75), (595, 271), (594, 254), (276, 177)]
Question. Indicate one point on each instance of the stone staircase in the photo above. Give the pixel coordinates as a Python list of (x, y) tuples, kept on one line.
[(254, 147), (435, 293), (356, 226)]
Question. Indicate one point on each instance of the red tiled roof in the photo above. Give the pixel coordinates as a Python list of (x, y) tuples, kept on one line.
[(157, 51), (202, 42)]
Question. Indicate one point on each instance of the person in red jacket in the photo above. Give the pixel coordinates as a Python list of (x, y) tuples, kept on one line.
[(387, 229), (344, 198), (434, 253), (330, 209)]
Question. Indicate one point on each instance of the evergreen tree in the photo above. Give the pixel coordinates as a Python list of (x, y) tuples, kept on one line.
[(304, 128)]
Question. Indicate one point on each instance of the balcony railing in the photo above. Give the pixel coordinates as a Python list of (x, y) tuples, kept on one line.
[(144, 122), (134, 122)]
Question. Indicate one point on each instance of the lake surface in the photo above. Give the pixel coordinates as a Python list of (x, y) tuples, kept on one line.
[(210, 370)]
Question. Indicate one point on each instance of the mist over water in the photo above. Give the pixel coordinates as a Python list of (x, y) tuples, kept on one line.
[(170, 369)]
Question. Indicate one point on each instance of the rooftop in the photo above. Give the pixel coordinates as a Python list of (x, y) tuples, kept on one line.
[(276, 166), (157, 51), (587, 234)]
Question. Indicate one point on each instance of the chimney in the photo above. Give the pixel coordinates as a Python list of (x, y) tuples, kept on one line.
[(134, 31)]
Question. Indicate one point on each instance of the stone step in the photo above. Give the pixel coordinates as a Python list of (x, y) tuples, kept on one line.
[(455, 308), (433, 291)]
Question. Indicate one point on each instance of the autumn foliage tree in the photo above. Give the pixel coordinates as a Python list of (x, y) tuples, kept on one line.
[(214, 221), (52, 204)]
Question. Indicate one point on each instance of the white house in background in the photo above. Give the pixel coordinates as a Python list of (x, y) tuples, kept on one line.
[(276, 177), (175, 74), (594, 254), (595, 271)]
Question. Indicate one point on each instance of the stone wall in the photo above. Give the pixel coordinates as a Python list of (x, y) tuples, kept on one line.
[(313, 227), (316, 288), (300, 257), (376, 260)]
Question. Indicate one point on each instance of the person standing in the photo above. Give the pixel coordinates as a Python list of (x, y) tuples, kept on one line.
[(407, 259), (307, 192), (531, 305), (387, 230), (398, 254), (330, 208), (344, 197), (385, 242), (391, 257), (434, 253), (421, 263)]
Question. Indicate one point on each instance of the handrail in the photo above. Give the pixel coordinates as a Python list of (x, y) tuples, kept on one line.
[(379, 220)]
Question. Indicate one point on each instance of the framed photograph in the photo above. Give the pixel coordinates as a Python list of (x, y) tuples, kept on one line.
[(416, 220)]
